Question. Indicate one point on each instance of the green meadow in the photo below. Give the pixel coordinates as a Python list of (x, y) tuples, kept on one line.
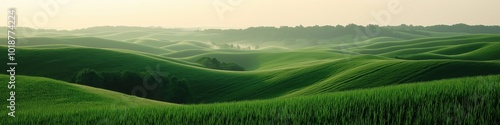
[(260, 75)]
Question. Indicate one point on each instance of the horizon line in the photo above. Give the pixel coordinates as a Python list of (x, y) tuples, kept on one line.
[(245, 27)]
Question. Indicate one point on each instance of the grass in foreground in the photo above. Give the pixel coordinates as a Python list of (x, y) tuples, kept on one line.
[(471, 100)]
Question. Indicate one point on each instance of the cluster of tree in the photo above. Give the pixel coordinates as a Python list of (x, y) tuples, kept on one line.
[(451, 28), (163, 87), (213, 63), (282, 33)]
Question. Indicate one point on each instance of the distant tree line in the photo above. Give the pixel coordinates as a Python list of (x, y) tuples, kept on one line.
[(170, 89), (213, 63), (312, 33)]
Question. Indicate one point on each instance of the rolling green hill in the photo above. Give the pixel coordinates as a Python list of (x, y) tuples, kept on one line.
[(183, 46), (185, 53), (456, 101), (88, 42), (469, 52), (280, 74), (38, 97)]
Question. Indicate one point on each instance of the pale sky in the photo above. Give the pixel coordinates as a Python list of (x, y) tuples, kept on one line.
[(72, 14)]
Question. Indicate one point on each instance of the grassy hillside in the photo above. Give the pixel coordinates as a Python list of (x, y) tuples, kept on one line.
[(38, 97), (183, 46), (456, 101), (88, 42), (294, 75), (281, 74)]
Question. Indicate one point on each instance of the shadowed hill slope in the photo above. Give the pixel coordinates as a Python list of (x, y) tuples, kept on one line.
[(89, 42), (296, 79), (452, 101)]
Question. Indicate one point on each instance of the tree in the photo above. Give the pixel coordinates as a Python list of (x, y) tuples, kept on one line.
[(170, 88), (208, 62), (214, 63), (90, 77)]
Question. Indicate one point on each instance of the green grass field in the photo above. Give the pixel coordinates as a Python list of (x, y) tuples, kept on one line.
[(471, 100), (401, 77)]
